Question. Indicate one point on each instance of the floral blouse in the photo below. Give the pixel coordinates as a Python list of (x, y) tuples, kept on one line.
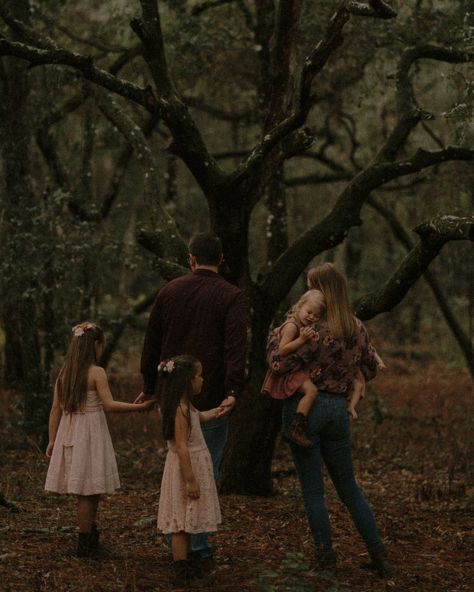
[(333, 363)]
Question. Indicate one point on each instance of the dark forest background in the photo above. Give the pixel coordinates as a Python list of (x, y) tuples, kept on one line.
[(299, 131)]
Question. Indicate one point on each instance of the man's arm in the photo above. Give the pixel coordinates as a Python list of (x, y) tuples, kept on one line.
[(151, 349), (235, 347)]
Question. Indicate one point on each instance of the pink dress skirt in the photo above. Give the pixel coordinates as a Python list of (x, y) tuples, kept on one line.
[(177, 512), (83, 460), (281, 386)]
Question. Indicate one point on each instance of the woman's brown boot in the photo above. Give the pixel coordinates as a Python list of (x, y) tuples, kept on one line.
[(380, 562)]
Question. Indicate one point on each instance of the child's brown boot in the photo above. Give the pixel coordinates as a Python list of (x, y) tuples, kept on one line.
[(182, 575), (296, 432), (84, 545)]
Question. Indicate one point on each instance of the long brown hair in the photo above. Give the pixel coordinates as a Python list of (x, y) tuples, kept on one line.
[(333, 285), (71, 383), (176, 375)]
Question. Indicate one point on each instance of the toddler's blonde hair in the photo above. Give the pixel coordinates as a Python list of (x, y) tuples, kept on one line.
[(312, 296)]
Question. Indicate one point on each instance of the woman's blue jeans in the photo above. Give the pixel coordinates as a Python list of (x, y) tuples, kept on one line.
[(328, 426)]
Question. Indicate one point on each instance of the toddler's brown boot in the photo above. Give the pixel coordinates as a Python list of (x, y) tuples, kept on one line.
[(296, 432)]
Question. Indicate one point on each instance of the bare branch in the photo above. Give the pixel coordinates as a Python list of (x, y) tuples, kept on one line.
[(149, 32), (98, 44), (409, 114), (24, 31), (313, 64), (207, 4), (433, 236), (36, 57), (172, 244), (374, 8), (403, 236), (319, 179), (247, 116), (121, 168), (127, 56), (118, 327), (187, 143)]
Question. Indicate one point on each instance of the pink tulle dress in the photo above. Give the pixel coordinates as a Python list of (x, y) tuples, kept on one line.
[(282, 386), (177, 512), (83, 460)]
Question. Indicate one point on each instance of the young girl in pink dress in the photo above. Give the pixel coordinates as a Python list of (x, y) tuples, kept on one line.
[(81, 452), (284, 341), (188, 497)]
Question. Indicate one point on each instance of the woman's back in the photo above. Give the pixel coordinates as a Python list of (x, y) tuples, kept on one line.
[(334, 363)]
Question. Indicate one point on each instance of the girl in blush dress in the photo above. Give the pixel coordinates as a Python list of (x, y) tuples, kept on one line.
[(82, 458), (188, 497)]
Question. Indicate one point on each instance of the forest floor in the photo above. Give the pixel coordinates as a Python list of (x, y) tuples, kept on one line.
[(412, 453)]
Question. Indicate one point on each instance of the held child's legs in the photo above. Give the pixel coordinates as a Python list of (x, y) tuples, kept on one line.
[(358, 392), (86, 511), (180, 545), (310, 392)]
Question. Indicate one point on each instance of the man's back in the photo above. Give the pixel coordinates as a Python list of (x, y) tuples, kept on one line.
[(203, 315)]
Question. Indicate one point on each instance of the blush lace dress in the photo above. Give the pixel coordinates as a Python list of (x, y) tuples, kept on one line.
[(177, 512), (83, 460)]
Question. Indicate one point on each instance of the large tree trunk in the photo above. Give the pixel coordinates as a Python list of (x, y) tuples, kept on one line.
[(255, 422)]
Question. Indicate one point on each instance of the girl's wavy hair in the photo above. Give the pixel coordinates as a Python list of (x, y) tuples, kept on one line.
[(314, 296), (71, 383), (176, 376), (333, 285)]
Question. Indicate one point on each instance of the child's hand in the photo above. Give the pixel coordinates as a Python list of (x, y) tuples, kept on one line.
[(146, 405), (49, 449), (307, 333), (351, 411), (381, 365), (140, 398), (192, 488), (221, 411)]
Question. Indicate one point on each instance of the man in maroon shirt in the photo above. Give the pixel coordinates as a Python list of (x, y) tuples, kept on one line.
[(203, 315)]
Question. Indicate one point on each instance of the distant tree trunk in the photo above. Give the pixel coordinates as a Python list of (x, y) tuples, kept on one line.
[(19, 291)]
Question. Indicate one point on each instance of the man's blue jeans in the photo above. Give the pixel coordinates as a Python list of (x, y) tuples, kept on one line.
[(328, 426), (215, 433)]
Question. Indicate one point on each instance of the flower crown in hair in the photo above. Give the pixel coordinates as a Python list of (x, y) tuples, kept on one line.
[(166, 367), (80, 329)]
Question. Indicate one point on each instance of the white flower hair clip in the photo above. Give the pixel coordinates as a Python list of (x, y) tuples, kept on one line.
[(80, 329), (166, 367)]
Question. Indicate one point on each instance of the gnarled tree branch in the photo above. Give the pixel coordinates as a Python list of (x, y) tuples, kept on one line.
[(434, 234), (313, 64), (374, 8), (172, 244), (402, 235), (37, 56)]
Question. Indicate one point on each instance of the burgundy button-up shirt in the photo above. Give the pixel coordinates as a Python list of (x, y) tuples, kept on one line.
[(203, 315)]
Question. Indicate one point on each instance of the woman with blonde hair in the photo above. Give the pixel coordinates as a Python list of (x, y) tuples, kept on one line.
[(339, 350)]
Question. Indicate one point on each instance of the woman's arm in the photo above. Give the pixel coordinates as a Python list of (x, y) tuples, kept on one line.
[(102, 386), (54, 419), (181, 427)]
